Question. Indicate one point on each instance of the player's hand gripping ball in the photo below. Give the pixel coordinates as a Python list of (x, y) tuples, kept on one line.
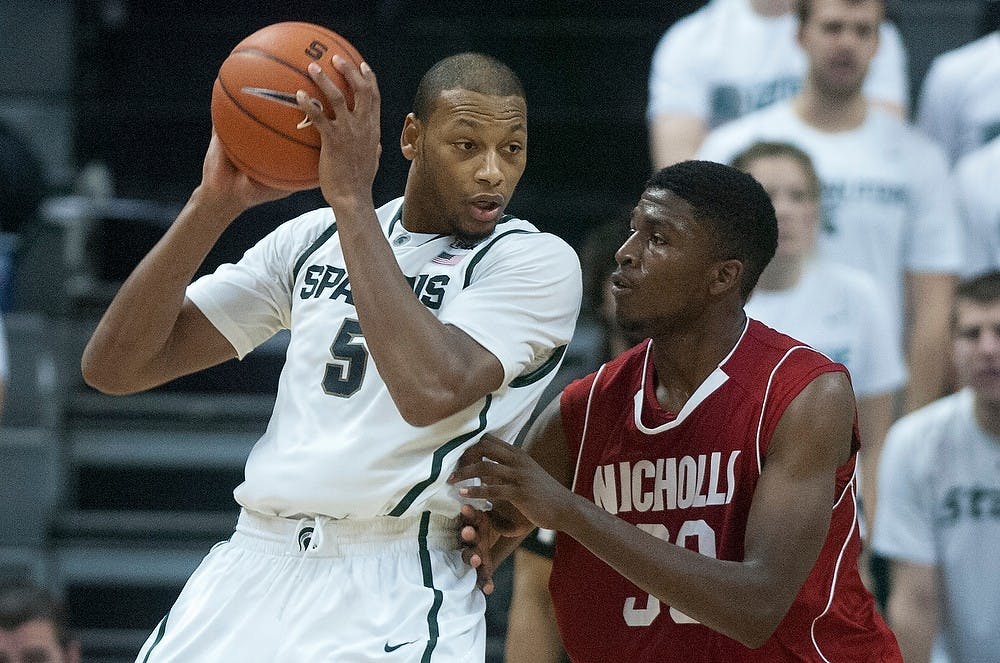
[(253, 101)]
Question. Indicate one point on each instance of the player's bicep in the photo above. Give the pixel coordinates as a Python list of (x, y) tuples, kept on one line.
[(481, 370), (790, 514), (546, 443), (521, 303)]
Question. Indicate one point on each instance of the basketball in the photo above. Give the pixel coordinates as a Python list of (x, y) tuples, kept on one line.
[(253, 101)]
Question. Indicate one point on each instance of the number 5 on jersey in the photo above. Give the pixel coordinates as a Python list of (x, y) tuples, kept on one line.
[(344, 375)]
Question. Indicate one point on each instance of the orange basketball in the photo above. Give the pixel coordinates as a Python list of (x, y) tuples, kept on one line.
[(253, 101)]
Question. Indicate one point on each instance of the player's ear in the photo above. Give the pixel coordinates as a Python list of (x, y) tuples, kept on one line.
[(410, 137), (727, 275)]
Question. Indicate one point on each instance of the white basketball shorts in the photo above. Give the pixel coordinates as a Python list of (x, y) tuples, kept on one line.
[(317, 589)]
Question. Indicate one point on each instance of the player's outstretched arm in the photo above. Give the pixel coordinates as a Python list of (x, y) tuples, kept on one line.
[(787, 525), (151, 333)]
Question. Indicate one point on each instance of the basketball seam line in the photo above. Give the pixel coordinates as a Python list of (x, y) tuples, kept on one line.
[(225, 89)]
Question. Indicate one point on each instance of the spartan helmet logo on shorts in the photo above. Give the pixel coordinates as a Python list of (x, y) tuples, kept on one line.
[(305, 536)]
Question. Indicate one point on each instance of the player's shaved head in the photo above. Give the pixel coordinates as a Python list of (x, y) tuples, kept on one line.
[(475, 72)]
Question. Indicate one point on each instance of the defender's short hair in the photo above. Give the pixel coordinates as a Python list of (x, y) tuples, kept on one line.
[(733, 205), (475, 72)]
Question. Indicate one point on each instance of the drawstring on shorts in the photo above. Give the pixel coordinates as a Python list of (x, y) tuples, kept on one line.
[(314, 537), (309, 540)]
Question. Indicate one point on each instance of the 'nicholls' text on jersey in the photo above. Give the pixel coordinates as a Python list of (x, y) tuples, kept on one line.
[(666, 483)]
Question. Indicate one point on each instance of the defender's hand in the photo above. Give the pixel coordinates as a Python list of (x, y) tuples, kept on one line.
[(523, 494)]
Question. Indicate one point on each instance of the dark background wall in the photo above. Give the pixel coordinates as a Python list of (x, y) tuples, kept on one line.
[(144, 75), (128, 82)]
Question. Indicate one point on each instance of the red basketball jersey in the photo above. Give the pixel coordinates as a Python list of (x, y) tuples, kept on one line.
[(689, 478)]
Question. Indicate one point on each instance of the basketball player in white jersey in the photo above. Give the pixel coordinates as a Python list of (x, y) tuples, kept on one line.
[(416, 327)]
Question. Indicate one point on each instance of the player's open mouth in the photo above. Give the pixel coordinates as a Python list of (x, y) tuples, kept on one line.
[(486, 210), (619, 285)]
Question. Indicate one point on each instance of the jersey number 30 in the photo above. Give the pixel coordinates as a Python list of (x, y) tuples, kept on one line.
[(705, 537), (345, 373)]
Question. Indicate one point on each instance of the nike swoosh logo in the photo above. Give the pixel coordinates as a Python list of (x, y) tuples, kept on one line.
[(283, 98), (392, 648)]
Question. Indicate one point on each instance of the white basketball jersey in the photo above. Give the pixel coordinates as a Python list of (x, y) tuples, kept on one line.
[(336, 445)]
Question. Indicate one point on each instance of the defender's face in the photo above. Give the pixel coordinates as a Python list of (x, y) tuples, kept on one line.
[(664, 267), (977, 347), (469, 156), (840, 39), (795, 203)]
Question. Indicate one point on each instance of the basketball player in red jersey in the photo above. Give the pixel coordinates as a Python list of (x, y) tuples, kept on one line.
[(702, 483)]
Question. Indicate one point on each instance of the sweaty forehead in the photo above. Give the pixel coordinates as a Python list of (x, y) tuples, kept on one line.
[(663, 205), (466, 106)]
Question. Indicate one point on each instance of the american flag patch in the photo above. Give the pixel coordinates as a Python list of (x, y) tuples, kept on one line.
[(445, 258)]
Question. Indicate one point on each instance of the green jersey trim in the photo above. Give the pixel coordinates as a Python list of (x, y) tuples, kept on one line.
[(428, 576), (395, 219), (479, 256), (160, 631), (547, 367), (438, 460), (327, 234)]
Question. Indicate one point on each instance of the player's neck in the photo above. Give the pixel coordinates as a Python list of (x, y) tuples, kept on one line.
[(416, 216), (684, 358), (771, 8), (830, 113)]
